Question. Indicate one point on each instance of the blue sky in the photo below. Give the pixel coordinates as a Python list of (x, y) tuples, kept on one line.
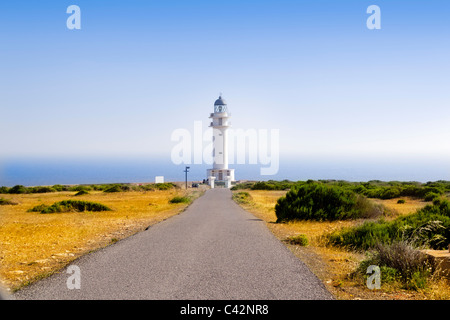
[(137, 70)]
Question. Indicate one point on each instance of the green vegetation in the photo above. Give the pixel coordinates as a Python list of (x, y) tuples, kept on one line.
[(165, 186), (371, 189), (148, 187), (265, 185), (180, 199), (300, 240), (394, 245), (242, 197), (116, 187), (81, 193), (4, 202), (243, 186), (429, 227), (430, 196), (70, 206), (399, 262), (19, 189), (317, 201)]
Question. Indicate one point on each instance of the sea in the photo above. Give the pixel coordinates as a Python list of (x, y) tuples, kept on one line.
[(70, 171)]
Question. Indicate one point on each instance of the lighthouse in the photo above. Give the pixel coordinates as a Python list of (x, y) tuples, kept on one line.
[(220, 173)]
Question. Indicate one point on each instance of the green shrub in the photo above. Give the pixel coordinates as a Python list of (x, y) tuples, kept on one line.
[(18, 189), (317, 201), (430, 196), (242, 197), (180, 199), (99, 187), (165, 186), (300, 240), (41, 189), (116, 188), (388, 274), (4, 202), (429, 227), (60, 188), (4, 190), (81, 193), (401, 201), (273, 185), (80, 188), (70, 206), (400, 261), (147, 187), (39, 208), (243, 185)]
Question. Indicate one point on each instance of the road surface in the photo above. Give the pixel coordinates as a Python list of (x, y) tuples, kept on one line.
[(214, 250)]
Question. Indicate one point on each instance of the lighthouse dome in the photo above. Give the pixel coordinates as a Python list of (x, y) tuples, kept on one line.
[(220, 102)]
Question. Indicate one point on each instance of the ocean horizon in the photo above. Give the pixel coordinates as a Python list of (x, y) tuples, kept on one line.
[(40, 172)]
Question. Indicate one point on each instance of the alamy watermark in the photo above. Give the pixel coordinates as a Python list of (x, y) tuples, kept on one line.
[(74, 281), (374, 21), (74, 20), (251, 146), (374, 280)]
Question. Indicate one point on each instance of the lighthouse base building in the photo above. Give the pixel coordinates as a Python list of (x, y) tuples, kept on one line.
[(220, 174)]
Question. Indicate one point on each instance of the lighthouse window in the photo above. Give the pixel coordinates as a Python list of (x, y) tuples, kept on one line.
[(220, 121)]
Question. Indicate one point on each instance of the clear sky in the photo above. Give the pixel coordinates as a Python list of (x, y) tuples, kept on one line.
[(138, 70)]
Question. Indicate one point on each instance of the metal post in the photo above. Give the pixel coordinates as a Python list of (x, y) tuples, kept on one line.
[(186, 171)]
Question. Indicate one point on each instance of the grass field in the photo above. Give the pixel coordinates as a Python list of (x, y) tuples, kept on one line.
[(334, 265), (34, 245)]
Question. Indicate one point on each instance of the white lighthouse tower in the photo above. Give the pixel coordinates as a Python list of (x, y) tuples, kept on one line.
[(220, 172)]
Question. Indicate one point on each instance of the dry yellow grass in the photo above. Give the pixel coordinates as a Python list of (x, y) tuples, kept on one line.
[(333, 265), (34, 245), (410, 205)]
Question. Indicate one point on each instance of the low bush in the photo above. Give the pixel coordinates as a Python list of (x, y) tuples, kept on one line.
[(4, 202), (430, 196), (317, 201), (400, 261), (18, 189), (4, 190), (300, 240), (38, 208), (273, 185), (243, 185), (40, 189), (165, 186), (401, 201), (180, 199), (117, 188), (70, 206), (59, 188), (242, 197), (147, 187), (429, 227), (81, 193), (80, 188)]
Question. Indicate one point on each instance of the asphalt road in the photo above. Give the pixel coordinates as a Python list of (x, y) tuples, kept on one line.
[(213, 250)]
